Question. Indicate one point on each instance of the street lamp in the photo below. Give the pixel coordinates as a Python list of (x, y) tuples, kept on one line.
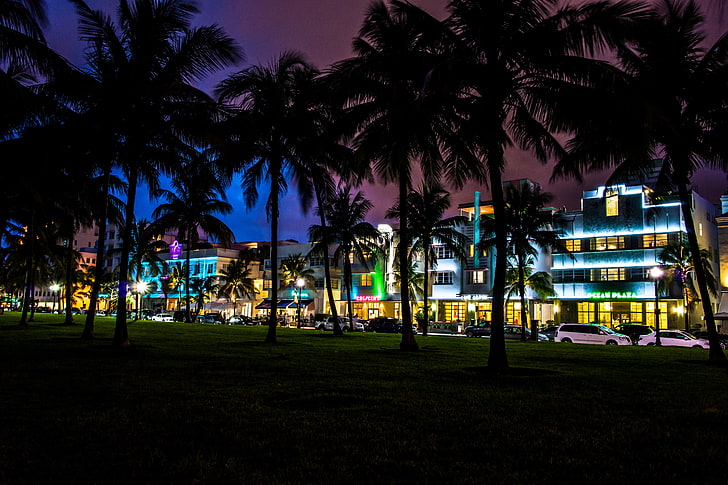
[(141, 288), (300, 282), (656, 273), (54, 288)]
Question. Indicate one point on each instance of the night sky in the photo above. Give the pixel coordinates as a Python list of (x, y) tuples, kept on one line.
[(323, 31)]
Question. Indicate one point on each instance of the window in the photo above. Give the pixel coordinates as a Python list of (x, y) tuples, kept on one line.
[(211, 268), (267, 284), (572, 245), (612, 202), (654, 240), (476, 277), (111, 234), (609, 274), (441, 252), (366, 280), (605, 243), (442, 278)]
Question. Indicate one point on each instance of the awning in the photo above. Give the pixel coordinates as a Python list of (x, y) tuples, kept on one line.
[(266, 304)]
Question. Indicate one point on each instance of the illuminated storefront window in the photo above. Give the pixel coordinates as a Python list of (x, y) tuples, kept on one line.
[(586, 312)]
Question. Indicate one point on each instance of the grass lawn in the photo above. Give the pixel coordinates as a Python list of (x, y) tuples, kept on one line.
[(207, 404)]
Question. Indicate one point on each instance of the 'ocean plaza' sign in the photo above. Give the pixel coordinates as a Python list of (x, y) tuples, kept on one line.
[(616, 295)]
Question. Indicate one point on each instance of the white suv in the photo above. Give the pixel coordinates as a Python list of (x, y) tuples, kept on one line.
[(329, 324), (587, 333)]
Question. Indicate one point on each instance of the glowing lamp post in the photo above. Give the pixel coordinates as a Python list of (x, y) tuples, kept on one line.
[(656, 273), (54, 288), (300, 282), (141, 288)]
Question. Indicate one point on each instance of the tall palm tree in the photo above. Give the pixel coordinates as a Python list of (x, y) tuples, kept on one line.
[(513, 59), (428, 227), (293, 268), (238, 281), (667, 100), (348, 230), (395, 123), (273, 113), (518, 280), (190, 207), (677, 260), (142, 98), (414, 278), (528, 229), (146, 248)]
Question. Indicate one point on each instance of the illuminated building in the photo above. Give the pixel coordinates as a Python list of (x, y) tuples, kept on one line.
[(613, 242)]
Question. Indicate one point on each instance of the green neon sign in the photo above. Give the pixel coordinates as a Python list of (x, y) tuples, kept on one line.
[(615, 295)]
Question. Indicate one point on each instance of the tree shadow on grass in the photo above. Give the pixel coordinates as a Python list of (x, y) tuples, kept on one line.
[(485, 372)]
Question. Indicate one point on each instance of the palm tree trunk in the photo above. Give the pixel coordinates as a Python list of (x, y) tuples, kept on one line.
[(188, 259), (69, 279), (686, 314), (121, 331), (273, 317), (425, 310), (327, 263), (522, 295), (497, 358), (349, 283), (408, 338), (88, 328), (716, 352)]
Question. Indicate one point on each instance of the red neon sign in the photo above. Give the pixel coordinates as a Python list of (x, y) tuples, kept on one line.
[(367, 298)]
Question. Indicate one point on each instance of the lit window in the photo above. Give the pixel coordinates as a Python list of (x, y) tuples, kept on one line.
[(366, 280), (612, 205), (442, 278), (477, 277)]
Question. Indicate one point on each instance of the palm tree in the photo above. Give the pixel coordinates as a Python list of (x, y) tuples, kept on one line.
[(142, 98), (395, 122), (237, 281), (203, 289), (668, 100), (292, 271), (413, 280), (349, 232), (518, 279), (513, 60), (677, 260), (428, 226), (274, 114), (190, 208), (145, 249), (528, 228)]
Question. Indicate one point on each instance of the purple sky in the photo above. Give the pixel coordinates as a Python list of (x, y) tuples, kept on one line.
[(322, 30)]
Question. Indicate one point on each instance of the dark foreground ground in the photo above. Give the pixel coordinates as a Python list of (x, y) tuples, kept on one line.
[(194, 404)]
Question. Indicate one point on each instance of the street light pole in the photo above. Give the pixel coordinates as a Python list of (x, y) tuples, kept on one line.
[(656, 273), (54, 288), (299, 283)]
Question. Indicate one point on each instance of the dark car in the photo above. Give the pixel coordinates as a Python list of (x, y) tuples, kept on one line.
[(384, 325), (550, 331), (215, 317), (240, 320), (513, 332), (478, 330), (633, 331), (722, 338)]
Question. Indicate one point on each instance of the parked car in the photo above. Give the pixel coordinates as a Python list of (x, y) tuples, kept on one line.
[(590, 333), (513, 332), (240, 320), (213, 317), (723, 338), (633, 331), (384, 325), (674, 338), (329, 324), (478, 330), (162, 317), (550, 332)]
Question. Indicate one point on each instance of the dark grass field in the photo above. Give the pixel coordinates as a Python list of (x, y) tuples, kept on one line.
[(207, 404)]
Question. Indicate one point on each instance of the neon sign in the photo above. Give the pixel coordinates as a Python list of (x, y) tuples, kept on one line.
[(175, 249), (612, 294), (367, 298)]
